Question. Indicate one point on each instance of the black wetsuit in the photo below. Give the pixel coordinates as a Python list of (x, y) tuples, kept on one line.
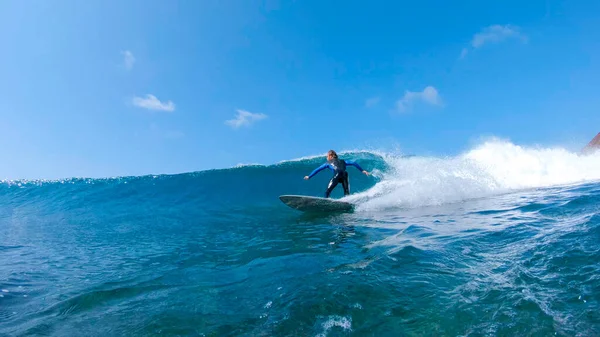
[(340, 175)]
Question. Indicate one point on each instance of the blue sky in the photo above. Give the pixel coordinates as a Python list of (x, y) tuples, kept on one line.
[(106, 88)]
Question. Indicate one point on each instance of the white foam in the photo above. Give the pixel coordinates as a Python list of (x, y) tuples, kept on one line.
[(302, 158), (491, 168), (335, 320), (515, 166), (248, 165)]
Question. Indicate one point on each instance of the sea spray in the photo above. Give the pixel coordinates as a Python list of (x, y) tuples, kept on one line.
[(493, 167)]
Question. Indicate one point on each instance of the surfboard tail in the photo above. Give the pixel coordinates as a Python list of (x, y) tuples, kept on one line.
[(315, 204)]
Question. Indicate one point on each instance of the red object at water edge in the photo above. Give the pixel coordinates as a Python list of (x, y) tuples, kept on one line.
[(593, 145)]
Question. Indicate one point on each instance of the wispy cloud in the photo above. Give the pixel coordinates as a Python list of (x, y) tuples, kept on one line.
[(371, 102), (244, 118), (128, 59), (150, 102), (494, 34), (429, 95), (497, 33), (464, 53)]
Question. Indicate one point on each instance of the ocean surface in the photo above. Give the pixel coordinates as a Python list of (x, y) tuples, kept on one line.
[(498, 241)]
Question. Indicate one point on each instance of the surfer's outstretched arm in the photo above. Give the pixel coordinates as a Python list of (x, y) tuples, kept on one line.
[(355, 164), (317, 170)]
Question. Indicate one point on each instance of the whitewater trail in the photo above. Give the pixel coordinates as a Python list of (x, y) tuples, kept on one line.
[(492, 168)]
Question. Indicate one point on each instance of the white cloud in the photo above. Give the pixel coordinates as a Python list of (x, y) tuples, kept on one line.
[(244, 118), (128, 59), (494, 34), (150, 102), (371, 102), (429, 95)]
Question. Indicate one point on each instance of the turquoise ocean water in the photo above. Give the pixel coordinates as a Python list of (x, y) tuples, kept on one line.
[(498, 241)]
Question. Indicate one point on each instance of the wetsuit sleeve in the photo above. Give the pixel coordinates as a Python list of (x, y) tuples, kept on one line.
[(317, 170), (353, 163)]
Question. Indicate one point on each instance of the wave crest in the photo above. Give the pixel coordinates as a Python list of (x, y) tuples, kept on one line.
[(493, 167)]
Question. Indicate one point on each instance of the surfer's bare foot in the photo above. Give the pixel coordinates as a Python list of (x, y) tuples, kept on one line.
[(305, 177)]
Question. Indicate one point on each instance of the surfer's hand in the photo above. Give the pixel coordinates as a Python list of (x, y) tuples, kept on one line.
[(366, 173), (305, 177)]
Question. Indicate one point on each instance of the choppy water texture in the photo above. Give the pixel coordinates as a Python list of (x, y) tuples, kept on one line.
[(500, 241)]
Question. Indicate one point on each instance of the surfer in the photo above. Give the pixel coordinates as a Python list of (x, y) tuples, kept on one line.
[(340, 175)]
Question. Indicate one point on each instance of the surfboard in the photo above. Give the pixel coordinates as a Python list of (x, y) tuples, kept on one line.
[(306, 203)]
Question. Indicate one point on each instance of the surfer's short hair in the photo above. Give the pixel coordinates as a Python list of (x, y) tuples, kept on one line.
[(332, 153)]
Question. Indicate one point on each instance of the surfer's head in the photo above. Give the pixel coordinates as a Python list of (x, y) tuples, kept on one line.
[(331, 155)]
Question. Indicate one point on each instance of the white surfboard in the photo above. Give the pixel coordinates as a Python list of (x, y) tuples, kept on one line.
[(306, 203)]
